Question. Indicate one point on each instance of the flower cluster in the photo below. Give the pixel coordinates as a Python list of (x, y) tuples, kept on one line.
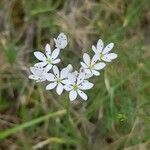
[(75, 82)]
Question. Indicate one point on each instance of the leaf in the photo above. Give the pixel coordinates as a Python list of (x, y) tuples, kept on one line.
[(11, 53), (8, 132)]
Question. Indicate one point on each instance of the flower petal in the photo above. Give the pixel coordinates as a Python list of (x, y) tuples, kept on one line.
[(37, 70), (56, 71), (48, 50), (94, 49), (49, 77), (48, 67), (68, 87), (65, 81), (85, 85), (64, 73), (51, 86), (80, 78), (59, 89), (99, 66), (88, 75), (56, 61), (61, 41), (82, 95), (106, 59), (83, 65), (72, 95), (41, 63), (94, 59), (71, 78), (40, 80), (111, 56), (100, 45), (96, 73), (70, 68), (108, 48), (55, 53), (88, 71), (86, 58), (33, 77), (40, 56)]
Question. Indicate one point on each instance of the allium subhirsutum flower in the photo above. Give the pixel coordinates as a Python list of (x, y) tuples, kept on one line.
[(68, 79), (49, 59), (102, 53), (91, 66), (61, 41), (59, 79), (76, 85)]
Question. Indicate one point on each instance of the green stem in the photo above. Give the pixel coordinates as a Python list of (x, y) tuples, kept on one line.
[(17, 128)]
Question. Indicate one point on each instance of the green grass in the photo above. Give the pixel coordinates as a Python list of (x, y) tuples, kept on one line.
[(116, 115)]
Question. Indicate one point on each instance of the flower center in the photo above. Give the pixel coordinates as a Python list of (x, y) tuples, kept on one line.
[(91, 65), (75, 87), (49, 61), (101, 55), (58, 80)]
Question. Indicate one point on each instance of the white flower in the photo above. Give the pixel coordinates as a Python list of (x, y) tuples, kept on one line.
[(103, 53), (49, 59), (90, 66), (61, 41), (76, 85), (59, 79), (38, 73)]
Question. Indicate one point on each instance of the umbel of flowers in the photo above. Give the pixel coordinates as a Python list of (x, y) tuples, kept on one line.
[(73, 81)]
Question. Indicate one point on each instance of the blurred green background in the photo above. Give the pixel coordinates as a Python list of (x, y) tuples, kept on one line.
[(117, 113)]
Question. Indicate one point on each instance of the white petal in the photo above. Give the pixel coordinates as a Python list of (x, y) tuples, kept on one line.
[(37, 70), (61, 41), (94, 59), (64, 73), (99, 66), (94, 49), (48, 50), (56, 71), (65, 81), (105, 58), (51, 86), (87, 76), (96, 73), (55, 53), (80, 78), (41, 64), (33, 77), (68, 87), (72, 95), (88, 71), (108, 48), (100, 45), (59, 89), (48, 67), (86, 58), (49, 77), (70, 68), (83, 65), (71, 78), (82, 95), (85, 85), (40, 79), (111, 56), (32, 69), (40, 56), (56, 61)]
